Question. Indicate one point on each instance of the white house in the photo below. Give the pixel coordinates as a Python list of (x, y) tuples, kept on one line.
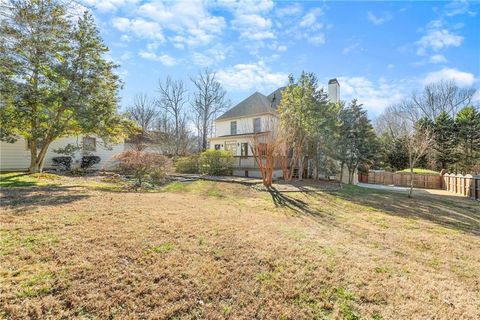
[(255, 115), (16, 156)]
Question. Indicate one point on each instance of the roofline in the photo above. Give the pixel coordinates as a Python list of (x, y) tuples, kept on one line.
[(274, 112)]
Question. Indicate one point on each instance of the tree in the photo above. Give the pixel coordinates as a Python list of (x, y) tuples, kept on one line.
[(143, 112), (357, 144), (442, 96), (298, 109), (467, 122), (417, 140), (142, 165), (172, 100), (209, 100), (445, 142), (54, 78)]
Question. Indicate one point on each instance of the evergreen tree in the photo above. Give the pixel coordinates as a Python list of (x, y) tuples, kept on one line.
[(445, 140), (467, 122), (55, 80)]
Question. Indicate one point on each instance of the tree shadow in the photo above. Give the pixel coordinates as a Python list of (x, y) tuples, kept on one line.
[(283, 200), (461, 214), (19, 199)]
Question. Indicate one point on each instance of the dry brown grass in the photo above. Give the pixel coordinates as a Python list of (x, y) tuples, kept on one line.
[(215, 251)]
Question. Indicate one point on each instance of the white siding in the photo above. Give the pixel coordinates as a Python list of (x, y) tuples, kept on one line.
[(16, 156), (244, 125)]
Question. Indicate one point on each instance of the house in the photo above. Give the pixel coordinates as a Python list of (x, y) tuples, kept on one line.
[(16, 156), (256, 115)]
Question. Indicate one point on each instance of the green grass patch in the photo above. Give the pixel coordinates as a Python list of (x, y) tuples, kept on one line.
[(175, 187), (162, 248), (200, 187), (420, 170), (22, 179), (37, 285)]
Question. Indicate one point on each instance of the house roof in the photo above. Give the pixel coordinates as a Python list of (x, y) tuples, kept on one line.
[(255, 104), (275, 97)]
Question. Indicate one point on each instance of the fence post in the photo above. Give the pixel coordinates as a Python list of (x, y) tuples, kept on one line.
[(475, 184)]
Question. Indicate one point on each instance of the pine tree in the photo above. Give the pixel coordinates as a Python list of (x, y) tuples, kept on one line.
[(54, 78), (467, 123), (445, 141)]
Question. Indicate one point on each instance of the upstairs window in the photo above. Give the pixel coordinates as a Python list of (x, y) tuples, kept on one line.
[(233, 127), (89, 144), (257, 125)]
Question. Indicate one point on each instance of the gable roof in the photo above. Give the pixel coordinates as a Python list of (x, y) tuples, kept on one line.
[(275, 97), (255, 104)]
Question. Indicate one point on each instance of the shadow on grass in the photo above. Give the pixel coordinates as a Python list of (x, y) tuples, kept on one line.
[(461, 214), (283, 200), (14, 180), (21, 198)]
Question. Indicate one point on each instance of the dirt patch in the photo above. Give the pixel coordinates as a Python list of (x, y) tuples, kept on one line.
[(220, 250)]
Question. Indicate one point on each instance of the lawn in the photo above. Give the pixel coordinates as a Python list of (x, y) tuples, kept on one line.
[(420, 171), (212, 250)]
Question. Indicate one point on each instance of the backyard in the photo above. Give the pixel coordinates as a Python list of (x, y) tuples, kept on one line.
[(72, 247)]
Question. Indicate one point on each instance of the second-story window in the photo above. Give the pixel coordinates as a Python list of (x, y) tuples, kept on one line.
[(233, 127), (257, 125)]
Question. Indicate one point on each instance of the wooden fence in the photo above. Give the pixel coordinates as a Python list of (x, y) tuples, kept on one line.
[(468, 185)]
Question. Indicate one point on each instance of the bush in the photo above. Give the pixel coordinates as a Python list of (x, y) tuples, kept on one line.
[(65, 163), (142, 165), (187, 164), (216, 162), (89, 161)]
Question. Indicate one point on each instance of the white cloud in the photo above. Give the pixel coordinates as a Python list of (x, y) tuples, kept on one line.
[(140, 27), (109, 5), (253, 26), (375, 95), (352, 47), (437, 37), (458, 8), (462, 79), (310, 19), (391, 66), (317, 39), (438, 58), (165, 59), (289, 11), (211, 56), (379, 19), (249, 77)]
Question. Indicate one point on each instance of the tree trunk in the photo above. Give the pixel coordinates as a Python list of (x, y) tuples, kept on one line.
[(341, 171), (410, 193), (37, 160)]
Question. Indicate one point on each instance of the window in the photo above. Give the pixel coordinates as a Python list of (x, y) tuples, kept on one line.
[(217, 147), (244, 149), (233, 127), (257, 125), (231, 146), (89, 144)]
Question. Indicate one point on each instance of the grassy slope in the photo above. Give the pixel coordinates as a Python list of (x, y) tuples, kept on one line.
[(211, 250), (420, 170)]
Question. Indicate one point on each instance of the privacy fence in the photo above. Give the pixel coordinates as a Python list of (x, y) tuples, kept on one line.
[(468, 185)]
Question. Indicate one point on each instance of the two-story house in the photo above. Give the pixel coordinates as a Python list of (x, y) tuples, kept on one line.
[(255, 115)]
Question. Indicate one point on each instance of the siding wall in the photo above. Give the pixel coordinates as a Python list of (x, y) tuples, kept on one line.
[(16, 156), (244, 125)]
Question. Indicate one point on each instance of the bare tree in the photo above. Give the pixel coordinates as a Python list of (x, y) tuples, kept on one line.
[(209, 100), (143, 111), (400, 121), (173, 96), (440, 96)]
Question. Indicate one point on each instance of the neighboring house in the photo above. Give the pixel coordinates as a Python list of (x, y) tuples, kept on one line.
[(16, 156), (256, 115)]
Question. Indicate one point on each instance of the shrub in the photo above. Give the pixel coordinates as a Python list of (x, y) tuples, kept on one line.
[(89, 161), (64, 163), (142, 165), (216, 162), (187, 164)]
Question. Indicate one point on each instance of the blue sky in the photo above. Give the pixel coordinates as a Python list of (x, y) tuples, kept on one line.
[(379, 51)]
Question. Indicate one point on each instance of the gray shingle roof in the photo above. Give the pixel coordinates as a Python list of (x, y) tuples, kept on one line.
[(255, 104), (275, 97)]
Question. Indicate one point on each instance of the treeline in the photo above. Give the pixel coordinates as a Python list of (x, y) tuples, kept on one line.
[(443, 112), (166, 119)]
